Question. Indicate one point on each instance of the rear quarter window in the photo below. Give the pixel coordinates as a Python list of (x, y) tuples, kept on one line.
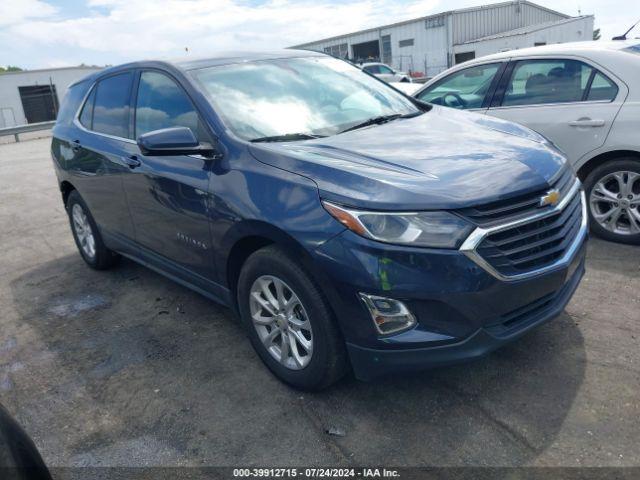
[(71, 103)]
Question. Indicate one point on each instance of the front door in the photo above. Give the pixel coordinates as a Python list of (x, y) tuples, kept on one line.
[(568, 101), (167, 195)]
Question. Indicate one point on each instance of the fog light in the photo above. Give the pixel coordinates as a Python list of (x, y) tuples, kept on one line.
[(388, 315)]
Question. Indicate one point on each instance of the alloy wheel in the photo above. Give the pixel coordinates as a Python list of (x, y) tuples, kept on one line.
[(83, 230), (615, 202), (281, 322)]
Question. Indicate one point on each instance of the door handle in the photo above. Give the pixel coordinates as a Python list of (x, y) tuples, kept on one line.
[(586, 122), (132, 161)]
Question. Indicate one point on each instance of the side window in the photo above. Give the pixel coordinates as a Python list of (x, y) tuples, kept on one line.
[(86, 116), (372, 69), (602, 88), (464, 89), (536, 82), (162, 103), (386, 70), (111, 108)]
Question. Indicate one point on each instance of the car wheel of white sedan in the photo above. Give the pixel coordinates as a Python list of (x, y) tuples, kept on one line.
[(613, 192)]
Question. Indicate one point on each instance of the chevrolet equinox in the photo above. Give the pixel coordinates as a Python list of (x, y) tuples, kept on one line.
[(347, 225)]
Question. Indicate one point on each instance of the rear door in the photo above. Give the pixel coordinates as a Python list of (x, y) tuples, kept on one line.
[(168, 195), (569, 100), (468, 89), (100, 146)]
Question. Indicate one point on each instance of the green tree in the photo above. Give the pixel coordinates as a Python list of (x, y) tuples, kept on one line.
[(596, 34), (10, 68)]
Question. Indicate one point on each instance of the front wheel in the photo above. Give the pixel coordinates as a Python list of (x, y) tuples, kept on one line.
[(613, 195), (289, 321)]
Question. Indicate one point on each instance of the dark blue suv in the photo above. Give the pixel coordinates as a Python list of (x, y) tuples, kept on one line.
[(348, 225)]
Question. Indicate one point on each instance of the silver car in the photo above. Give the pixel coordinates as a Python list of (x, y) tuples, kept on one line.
[(385, 72), (584, 97)]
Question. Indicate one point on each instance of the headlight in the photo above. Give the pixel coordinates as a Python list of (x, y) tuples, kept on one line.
[(418, 229)]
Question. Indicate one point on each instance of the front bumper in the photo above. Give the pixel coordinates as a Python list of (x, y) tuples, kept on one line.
[(369, 363), (463, 311)]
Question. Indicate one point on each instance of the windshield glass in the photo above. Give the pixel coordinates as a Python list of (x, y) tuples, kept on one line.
[(311, 95)]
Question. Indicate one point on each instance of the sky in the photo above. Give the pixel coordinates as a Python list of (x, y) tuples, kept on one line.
[(48, 33)]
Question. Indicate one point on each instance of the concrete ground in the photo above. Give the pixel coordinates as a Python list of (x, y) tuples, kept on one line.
[(127, 368)]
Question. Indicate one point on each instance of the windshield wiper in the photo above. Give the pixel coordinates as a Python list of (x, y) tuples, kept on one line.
[(378, 121), (287, 137)]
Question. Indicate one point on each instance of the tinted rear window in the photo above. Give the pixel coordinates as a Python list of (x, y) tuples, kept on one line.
[(111, 110)]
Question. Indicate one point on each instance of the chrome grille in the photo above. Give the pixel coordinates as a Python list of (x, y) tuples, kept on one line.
[(516, 207), (529, 245), (535, 244)]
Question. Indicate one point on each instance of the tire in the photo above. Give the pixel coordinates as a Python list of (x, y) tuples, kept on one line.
[(327, 362), (91, 247), (623, 230)]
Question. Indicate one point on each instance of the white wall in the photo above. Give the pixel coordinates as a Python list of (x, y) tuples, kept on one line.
[(576, 31), (11, 111), (432, 47)]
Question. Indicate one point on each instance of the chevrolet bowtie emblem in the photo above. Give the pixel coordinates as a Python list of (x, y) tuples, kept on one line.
[(551, 198)]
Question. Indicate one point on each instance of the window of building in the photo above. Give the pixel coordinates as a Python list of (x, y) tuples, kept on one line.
[(434, 22), (111, 108), (406, 43), (386, 48), (338, 51), (161, 103), (464, 57)]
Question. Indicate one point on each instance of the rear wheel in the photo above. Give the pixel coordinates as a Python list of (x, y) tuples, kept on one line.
[(87, 236), (289, 321), (613, 195)]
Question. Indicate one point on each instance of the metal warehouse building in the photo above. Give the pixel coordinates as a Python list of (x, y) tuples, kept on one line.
[(33, 96), (432, 44)]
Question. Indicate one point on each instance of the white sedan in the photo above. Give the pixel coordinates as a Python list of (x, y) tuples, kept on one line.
[(584, 97), (385, 72)]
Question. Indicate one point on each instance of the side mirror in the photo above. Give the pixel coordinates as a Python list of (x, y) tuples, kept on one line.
[(173, 141)]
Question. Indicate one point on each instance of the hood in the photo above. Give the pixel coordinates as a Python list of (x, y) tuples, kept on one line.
[(443, 159)]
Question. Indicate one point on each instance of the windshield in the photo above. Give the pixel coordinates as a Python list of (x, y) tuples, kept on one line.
[(311, 95)]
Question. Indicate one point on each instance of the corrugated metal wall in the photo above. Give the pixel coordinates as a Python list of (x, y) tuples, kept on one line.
[(578, 30), (431, 48), (469, 25)]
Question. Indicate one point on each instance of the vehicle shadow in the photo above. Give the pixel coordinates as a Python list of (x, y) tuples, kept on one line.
[(125, 367)]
